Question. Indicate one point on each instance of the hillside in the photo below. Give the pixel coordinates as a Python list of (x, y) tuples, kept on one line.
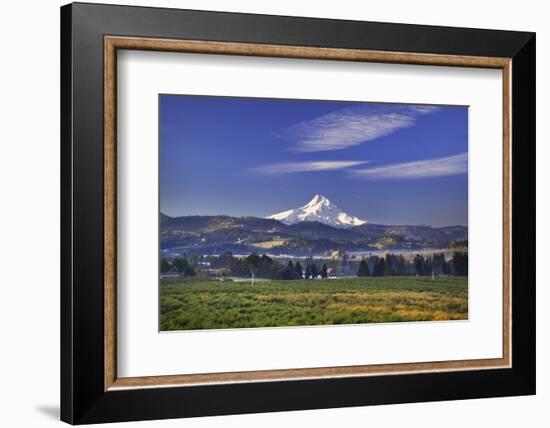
[(243, 235)]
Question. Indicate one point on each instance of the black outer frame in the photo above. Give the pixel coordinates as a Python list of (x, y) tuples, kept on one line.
[(83, 399)]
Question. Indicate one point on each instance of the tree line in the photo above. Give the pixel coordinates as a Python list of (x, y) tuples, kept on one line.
[(260, 266), (265, 267), (179, 264), (435, 264)]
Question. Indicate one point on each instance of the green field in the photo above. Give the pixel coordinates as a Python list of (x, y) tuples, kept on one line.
[(191, 305)]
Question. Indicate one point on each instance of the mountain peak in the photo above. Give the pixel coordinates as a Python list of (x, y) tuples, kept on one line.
[(318, 199), (319, 209)]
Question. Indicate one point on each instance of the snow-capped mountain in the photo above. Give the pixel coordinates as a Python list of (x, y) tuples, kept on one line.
[(319, 209)]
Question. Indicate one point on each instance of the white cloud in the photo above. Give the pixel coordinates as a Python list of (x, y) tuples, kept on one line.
[(352, 126), (451, 165), (291, 167)]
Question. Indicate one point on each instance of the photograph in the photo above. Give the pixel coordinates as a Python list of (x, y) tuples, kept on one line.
[(290, 212)]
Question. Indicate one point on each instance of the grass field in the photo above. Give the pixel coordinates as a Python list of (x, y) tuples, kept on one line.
[(214, 305)]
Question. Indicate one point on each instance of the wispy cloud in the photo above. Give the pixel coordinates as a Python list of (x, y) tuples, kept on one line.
[(451, 165), (352, 126), (292, 167)]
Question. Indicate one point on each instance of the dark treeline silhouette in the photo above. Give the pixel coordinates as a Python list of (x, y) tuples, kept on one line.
[(363, 268), (178, 265), (260, 266), (460, 263), (435, 264), (265, 267)]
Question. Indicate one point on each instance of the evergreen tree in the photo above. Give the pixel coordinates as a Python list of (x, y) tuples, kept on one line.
[(379, 268), (437, 263), (181, 264), (445, 269), (460, 263), (428, 266), (308, 271), (388, 268), (225, 260), (372, 261), (253, 260), (288, 273), (419, 264), (314, 271), (401, 268), (363, 268), (183, 267), (298, 269), (324, 271), (265, 259), (164, 265)]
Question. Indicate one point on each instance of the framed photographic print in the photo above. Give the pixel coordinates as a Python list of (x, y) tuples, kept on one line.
[(248, 267), (265, 213)]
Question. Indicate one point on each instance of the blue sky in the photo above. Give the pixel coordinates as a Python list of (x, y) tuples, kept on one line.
[(385, 163)]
